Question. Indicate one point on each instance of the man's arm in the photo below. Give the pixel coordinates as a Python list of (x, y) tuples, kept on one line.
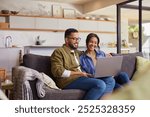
[(58, 69), (80, 74)]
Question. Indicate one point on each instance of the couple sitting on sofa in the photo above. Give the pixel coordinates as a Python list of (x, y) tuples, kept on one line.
[(70, 73)]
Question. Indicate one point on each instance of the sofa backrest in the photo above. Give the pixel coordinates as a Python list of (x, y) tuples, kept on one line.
[(43, 63), (129, 62), (38, 62)]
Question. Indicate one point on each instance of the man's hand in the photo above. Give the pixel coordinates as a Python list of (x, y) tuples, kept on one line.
[(80, 74), (87, 74)]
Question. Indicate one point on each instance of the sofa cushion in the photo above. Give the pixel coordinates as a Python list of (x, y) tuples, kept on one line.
[(142, 68), (55, 94), (66, 94), (38, 62), (129, 62)]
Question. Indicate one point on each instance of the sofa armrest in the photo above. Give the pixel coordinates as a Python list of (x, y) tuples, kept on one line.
[(17, 78)]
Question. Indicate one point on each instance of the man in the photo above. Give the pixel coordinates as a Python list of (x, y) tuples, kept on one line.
[(66, 69)]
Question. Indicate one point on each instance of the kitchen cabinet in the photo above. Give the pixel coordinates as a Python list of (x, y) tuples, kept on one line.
[(45, 23), (22, 22), (88, 25), (65, 23)]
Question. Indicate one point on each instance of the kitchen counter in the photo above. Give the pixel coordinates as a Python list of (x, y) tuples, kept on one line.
[(48, 50), (43, 49), (10, 47)]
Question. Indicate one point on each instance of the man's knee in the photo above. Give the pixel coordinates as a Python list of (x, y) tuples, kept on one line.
[(101, 84)]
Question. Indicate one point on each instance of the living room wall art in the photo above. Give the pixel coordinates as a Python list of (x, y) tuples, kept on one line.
[(57, 11), (69, 13)]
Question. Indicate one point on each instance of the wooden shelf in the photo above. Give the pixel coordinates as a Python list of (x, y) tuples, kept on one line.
[(38, 16), (4, 15), (53, 30)]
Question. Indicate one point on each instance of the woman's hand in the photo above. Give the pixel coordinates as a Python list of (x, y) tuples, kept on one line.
[(108, 55)]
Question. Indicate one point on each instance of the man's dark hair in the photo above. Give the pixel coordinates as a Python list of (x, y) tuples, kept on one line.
[(69, 31)]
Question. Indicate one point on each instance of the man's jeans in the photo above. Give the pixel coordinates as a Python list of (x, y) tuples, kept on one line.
[(95, 88)]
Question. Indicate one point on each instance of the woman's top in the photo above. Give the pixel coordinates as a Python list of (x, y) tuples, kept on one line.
[(87, 64)]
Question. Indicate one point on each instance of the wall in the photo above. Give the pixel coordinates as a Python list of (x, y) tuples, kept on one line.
[(27, 38), (35, 7), (24, 38)]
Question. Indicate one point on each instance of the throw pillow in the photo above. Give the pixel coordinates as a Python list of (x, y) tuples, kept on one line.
[(2, 95), (48, 81), (142, 68), (31, 74)]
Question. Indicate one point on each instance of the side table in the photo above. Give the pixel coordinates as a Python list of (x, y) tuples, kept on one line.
[(7, 87)]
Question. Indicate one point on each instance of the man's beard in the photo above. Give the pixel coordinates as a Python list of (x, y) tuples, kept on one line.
[(72, 46)]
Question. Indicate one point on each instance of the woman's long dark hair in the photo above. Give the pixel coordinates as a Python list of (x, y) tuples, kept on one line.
[(90, 36)]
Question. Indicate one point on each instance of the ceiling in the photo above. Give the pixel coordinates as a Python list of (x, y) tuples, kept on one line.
[(130, 14), (69, 1), (89, 5)]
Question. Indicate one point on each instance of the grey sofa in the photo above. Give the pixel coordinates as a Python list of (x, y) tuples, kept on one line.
[(43, 64)]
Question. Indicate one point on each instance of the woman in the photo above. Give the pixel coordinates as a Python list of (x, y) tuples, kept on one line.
[(89, 58)]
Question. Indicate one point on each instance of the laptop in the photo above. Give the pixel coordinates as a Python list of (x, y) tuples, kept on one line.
[(109, 66)]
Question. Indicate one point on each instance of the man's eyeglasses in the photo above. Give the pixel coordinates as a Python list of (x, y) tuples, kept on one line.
[(75, 39)]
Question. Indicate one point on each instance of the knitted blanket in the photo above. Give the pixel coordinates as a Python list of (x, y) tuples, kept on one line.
[(43, 80)]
